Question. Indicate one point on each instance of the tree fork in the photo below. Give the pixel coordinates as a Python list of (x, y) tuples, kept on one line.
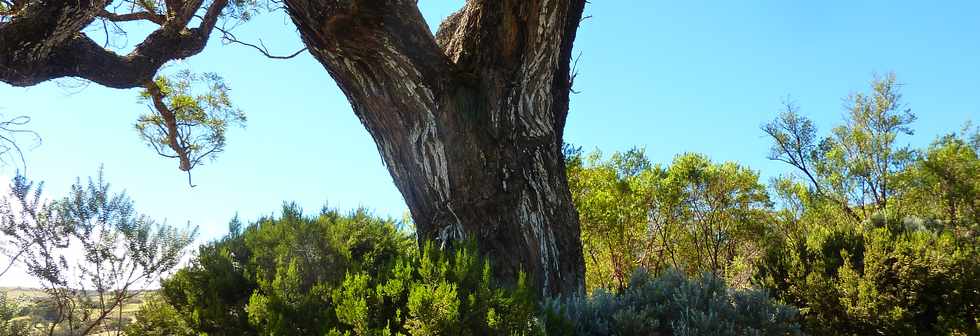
[(468, 122), (45, 41)]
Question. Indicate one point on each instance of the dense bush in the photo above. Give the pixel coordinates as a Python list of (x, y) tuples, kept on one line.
[(671, 304), (434, 293), (10, 310), (694, 215), (354, 274), (887, 279), (341, 274), (156, 317), (875, 237)]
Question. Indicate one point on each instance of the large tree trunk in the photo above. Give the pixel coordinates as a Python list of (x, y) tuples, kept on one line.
[(470, 123)]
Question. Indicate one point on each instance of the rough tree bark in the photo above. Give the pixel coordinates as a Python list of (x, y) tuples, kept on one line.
[(44, 41), (468, 121)]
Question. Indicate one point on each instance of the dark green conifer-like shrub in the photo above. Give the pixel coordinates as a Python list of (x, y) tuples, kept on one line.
[(342, 274)]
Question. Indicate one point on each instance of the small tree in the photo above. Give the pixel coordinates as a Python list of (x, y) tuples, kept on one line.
[(694, 214), (856, 166), (944, 182), (712, 213), (90, 251), (612, 198), (10, 309)]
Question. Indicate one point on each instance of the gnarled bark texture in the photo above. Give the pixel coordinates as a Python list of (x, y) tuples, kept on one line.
[(44, 40), (468, 121)]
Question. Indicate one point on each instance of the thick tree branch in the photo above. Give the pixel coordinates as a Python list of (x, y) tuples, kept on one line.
[(529, 38), (135, 16), (46, 43), (364, 33)]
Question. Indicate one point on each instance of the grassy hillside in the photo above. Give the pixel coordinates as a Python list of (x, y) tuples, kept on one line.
[(34, 305)]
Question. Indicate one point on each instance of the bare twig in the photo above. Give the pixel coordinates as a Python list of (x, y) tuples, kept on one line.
[(9, 130), (227, 37), (574, 73)]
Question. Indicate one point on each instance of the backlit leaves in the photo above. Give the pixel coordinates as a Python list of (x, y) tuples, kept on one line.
[(189, 117)]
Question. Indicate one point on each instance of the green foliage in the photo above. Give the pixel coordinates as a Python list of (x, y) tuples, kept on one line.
[(944, 183), (10, 310), (185, 125), (211, 292), (341, 274), (861, 158), (156, 317), (884, 239), (694, 215), (670, 304), (886, 280), (612, 200), (435, 293), (858, 165)]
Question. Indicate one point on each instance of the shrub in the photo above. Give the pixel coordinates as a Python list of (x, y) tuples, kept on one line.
[(893, 278), (670, 304), (340, 274), (10, 311), (156, 317), (435, 293)]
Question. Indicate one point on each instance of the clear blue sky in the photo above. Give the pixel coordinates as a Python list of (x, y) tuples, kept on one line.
[(672, 76)]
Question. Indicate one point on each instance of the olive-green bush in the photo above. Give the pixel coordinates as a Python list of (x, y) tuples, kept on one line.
[(898, 279)]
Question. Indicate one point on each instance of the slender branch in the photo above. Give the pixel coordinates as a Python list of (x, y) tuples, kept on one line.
[(228, 37), (13, 260), (211, 16)]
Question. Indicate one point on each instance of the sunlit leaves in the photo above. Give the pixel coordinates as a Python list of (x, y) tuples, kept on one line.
[(693, 214), (189, 117), (856, 165), (944, 182), (343, 274)]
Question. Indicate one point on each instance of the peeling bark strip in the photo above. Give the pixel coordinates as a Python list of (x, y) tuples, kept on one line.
[(469, 122)]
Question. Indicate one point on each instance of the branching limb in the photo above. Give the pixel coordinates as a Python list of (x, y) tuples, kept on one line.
[(186, 125), (136, 16), (170, 123), (46, 42), (228, 38)]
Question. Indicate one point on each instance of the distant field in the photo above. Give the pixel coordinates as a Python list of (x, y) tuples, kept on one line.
[(33, 299), (23, 293)]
